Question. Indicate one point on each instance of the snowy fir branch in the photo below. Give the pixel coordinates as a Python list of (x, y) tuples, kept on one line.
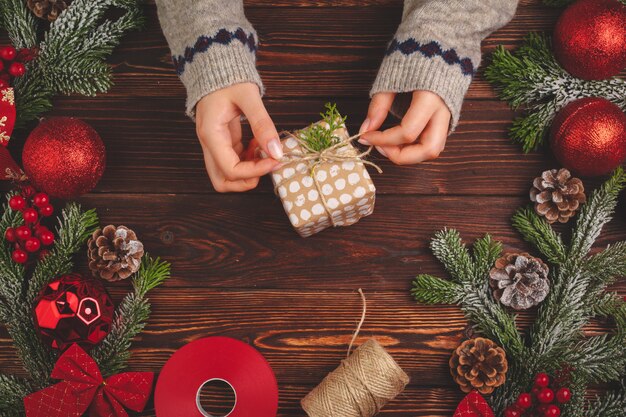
[(71, 53), (577, 294), (532, 78), (130, 317), (12, 392)]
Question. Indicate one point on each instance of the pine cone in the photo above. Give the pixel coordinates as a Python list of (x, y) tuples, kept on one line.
[(557, 195), (114, 253), (519, 280), (479, 364), (48, 9)]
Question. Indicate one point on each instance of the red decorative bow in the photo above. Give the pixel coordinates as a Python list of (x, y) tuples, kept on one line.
[(8, 168), (83, 388), (473, 405)]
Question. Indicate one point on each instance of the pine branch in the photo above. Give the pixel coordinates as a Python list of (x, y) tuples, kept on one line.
[(595, 214), (12, 392), (320, 136), (538, 232), (485, 252), (599, 359), (19, 22), (428, 289), (130, 317), (75, 227), (452, 253), (605, 267), (612, 404), (533, 79)]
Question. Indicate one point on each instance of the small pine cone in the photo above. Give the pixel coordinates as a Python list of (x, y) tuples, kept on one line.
[(48, 9), (479, 364), (557, 195), (114, 253), (519, 281)]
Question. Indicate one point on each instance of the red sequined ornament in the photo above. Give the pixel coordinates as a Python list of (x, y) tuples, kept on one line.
[(590, 39), (64, 157), (588, 136), (73, 309)]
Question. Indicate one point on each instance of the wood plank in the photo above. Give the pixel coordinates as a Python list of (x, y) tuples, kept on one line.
[(311, 53), (303, 334), (238, 241), (152, 147)]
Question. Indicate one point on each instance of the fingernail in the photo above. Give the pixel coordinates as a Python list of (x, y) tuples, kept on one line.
[(363, 141), (277, 167), (275, 149), (365, 126), (380, 150)]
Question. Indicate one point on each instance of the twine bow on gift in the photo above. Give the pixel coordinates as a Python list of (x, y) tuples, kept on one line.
[(314, 158), (82, 388)]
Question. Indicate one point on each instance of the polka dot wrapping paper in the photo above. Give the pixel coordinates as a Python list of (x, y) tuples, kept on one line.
[(319, 194)]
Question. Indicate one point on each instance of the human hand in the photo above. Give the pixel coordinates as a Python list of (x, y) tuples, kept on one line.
[(230, 166), (420, 136)]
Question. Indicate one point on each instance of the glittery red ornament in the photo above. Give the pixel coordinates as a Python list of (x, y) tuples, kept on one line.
[(588, 136), (73, 309), (590, 39), (64, 157)]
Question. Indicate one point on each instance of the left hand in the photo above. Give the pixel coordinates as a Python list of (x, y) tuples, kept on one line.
[(420, 136)]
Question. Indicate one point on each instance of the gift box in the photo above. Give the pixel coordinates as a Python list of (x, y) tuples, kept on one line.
[(323, 188)]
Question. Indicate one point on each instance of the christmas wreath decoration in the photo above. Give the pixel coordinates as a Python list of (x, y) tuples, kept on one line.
[(555, 343)]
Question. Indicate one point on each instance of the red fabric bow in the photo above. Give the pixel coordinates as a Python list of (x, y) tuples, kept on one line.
[(8, 168), (83, 388), (473, 405)]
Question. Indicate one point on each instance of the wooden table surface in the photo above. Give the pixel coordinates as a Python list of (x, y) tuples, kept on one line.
[(239, 269)]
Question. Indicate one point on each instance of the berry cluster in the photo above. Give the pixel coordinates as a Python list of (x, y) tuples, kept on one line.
[(540, 402), (12, 64), (32, 235)]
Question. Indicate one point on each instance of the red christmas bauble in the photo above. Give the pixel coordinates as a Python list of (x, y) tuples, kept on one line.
[(64, 157), (588, 136), (590, 39), (73, 309)]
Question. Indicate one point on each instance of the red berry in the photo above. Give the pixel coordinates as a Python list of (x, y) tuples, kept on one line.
[(22, 232), (524, 400), (46, 237), (19, 256), (512, 412), (552, 411), (32, 244), (41, 199), (17, 69), (542, 380), (8, 53), (545, 396), (30, 215), (563, 395), (1, 65), (9, 234), (46, 210), (3, 83), (17, 202)]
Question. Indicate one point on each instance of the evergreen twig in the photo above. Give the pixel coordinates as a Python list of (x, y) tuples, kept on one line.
[(130, 317), (531, 77), (12, 391), (321, 135)]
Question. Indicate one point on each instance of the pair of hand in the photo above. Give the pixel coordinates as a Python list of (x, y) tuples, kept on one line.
[(420, 136)]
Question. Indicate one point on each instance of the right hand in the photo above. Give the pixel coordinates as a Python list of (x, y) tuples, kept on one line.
[(230, 166)]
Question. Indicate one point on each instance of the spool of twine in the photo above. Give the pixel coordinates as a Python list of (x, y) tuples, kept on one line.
[(362, 384)]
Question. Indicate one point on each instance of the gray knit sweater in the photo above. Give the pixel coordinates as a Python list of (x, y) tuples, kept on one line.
[(436, 47)]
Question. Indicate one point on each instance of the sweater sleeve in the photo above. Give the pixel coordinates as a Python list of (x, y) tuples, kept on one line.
[(437, 48), (212, 43)]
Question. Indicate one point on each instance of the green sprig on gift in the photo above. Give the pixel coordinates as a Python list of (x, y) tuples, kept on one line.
[(578, 294), (532, 79), (321, 135)]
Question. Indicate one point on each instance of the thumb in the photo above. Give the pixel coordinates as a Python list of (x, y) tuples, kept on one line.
[(262, 126), (377, 111)]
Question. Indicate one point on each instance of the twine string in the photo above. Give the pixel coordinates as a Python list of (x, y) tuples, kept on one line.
[(315, 158), (362, 384)]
